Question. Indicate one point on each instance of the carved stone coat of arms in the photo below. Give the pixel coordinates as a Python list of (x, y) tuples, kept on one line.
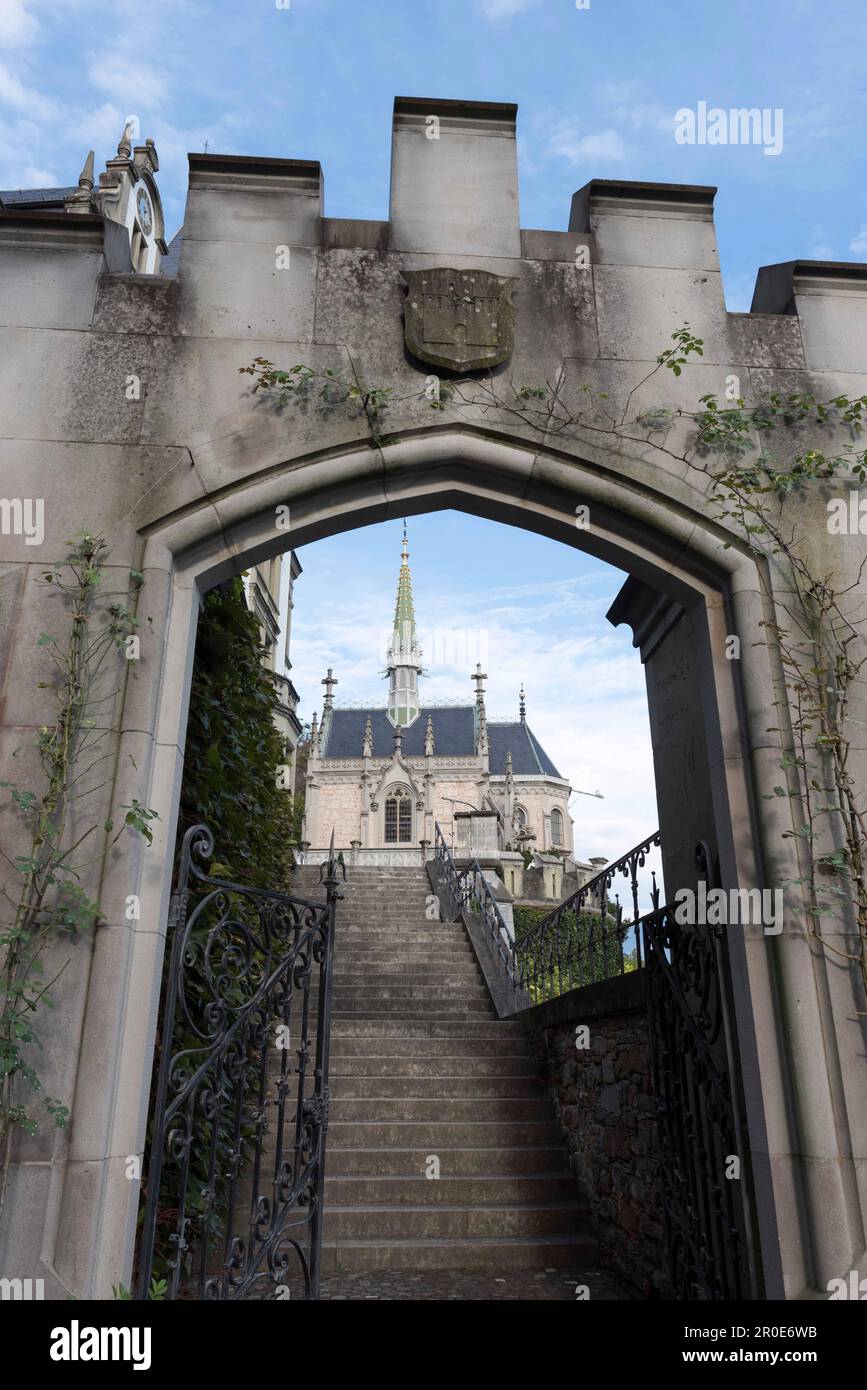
[(460, 319)]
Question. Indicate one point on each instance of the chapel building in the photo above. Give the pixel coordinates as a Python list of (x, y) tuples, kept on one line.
[(382, 778)]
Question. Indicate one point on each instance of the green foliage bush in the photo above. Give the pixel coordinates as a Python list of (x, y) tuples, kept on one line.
[(233, 748), (580, 963)]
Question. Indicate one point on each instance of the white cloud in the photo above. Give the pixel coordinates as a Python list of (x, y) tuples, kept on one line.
[(858, 244), (28, 100), (128, 82), (617, 92), (98, 129), (19, 27), (504, 9), (34, 177), (602, 147)]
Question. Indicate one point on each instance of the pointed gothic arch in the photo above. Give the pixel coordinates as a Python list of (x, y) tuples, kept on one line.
[(398, 815)]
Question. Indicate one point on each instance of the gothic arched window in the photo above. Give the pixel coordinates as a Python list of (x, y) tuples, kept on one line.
[(398, 817), (556, 827), (520, 817)]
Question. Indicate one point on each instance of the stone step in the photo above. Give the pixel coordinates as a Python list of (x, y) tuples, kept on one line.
[(357, 872), (411, 963), (373, 1048), (450, 1191), (446, 1007), (351, 1134), (370, 954), (401, 975), (452, 1067), (401, 1162), (410, 909), (433, 1110), (450, 1222), (378, 991), (470, 1028), (407, 924), (516, 1252), (443, 1009), (443, 1087), (380, 932), (360, 871), (411, 929)]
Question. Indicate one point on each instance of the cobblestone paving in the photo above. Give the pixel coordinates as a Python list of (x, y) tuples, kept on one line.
[(468, 1286)]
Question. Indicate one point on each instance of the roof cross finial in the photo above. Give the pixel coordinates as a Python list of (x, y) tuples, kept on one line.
[(522, 705), (329, 681)]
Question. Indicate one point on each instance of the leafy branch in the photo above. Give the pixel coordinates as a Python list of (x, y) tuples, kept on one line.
[(51, 901)]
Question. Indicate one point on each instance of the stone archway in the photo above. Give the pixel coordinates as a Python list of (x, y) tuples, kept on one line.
[(679, 559)]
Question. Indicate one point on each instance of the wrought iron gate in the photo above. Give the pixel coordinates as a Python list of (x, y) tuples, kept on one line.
[(234, 1192), (696, 1073)]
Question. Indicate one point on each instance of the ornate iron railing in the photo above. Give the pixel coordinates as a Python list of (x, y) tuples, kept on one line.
[(234, 1202), (468, 891), (583, 940), (702, 1132)]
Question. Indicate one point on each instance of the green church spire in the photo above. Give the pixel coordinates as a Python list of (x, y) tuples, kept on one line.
[(404, 656), (404, 639)]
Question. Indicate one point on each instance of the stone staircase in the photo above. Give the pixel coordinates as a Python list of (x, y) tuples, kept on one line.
[(422, 1071)]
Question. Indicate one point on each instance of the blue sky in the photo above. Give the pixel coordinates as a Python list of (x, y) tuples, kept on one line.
[(597, 91)]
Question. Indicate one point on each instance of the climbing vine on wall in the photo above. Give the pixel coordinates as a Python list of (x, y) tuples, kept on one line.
[(52, 903)]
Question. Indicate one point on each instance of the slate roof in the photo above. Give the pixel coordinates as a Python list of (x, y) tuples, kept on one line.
[(35, 197), (454, 736), (172, 259)]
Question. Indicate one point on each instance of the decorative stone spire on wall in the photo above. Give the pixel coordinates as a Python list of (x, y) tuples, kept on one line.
[(367, 744), (509, 797), (124, 149), (314, 736), (429, 743), (398, 740), (81, 200)]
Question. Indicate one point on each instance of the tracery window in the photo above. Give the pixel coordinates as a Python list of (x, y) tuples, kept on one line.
[(398, 817)]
